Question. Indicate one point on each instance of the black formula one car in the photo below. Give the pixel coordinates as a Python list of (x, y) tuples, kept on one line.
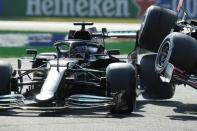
[(176, 60), (173, 44), (81, 74)]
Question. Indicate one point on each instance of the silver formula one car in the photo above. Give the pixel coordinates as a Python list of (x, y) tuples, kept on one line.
[(81, 74)]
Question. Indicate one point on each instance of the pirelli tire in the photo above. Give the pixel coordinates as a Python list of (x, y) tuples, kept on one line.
[(180, 50), (150, 81), (121, 84), (5, 78), (156, 25)]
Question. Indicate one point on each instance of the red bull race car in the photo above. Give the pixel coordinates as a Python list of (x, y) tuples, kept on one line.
[(176, 58)]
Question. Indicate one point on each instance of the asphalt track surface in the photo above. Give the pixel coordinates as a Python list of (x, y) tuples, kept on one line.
[(176, 114)]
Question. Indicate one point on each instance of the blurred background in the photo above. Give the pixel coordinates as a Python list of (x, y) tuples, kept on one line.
[(39, 23)]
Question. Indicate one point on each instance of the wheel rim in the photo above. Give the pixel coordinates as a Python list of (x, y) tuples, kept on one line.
[(163, 56)]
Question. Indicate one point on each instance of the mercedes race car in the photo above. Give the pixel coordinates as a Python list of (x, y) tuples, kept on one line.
[(81, 74)]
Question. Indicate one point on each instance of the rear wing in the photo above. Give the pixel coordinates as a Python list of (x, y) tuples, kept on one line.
[(117, 34)]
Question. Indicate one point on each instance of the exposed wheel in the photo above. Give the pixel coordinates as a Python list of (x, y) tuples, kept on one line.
[(150, 81), (156, 26), (180, 50), (5, 78), (121, 84)]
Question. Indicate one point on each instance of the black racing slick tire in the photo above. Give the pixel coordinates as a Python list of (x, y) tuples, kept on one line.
[(157, 24), (180, 50), (121, 84), (5, 78), (150, 81)]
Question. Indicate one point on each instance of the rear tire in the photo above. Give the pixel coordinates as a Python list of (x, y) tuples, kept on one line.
[(5, 78), (150, 81), (156, 26), (121, 84), (180, 50)]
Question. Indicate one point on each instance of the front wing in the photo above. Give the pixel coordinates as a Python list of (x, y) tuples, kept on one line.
[(18, 101)]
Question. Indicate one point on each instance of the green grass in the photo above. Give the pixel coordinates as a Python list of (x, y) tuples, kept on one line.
[(125, 47), (95, 20), (11, 52)]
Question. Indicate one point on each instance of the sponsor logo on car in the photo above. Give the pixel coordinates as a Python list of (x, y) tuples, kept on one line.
[(88, 8)]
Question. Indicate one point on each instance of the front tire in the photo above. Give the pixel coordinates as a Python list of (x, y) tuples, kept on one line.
[(5, 78), (150, 81), (121, 84)]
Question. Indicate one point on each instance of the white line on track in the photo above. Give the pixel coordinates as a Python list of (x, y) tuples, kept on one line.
[(60, 26)]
